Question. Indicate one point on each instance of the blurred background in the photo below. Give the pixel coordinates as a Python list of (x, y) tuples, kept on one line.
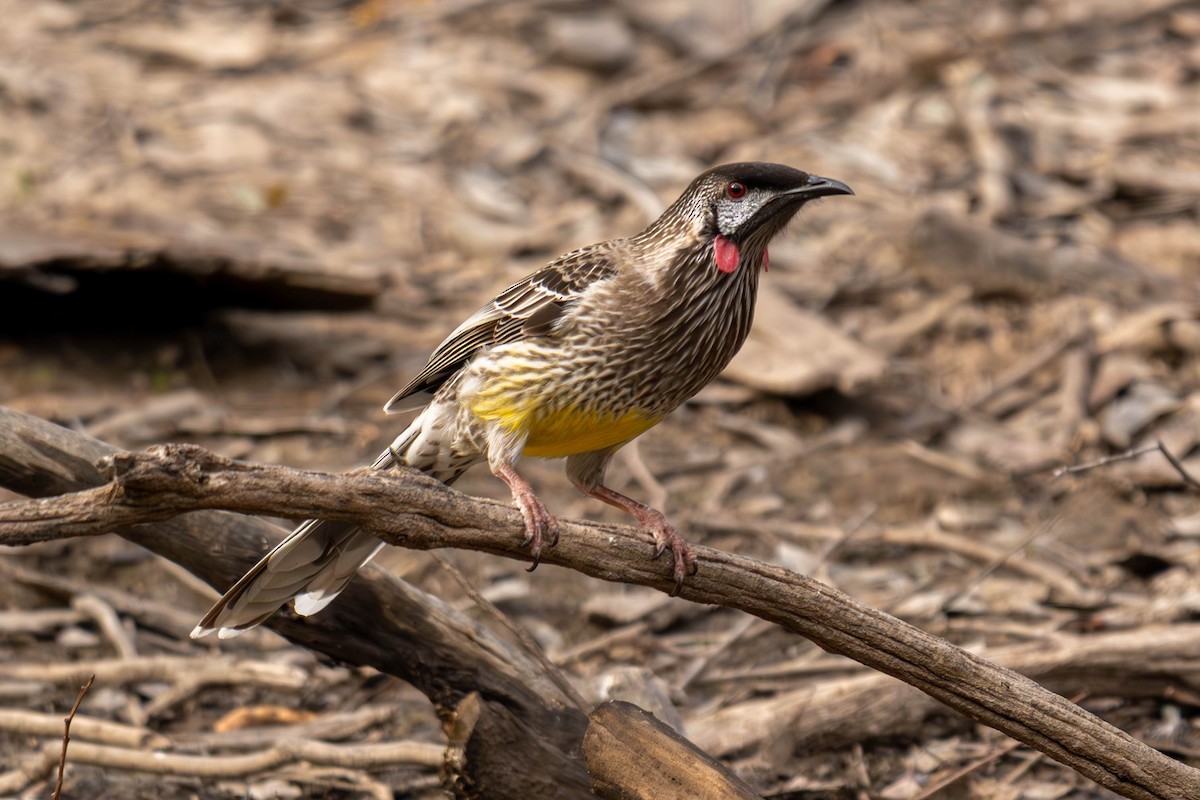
[(245, 224)]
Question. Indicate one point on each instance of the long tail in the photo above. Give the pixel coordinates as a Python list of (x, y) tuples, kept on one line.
[(312, 565)]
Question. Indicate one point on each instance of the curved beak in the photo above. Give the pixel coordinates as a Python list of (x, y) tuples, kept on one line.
[(816, 186), (776, 212)]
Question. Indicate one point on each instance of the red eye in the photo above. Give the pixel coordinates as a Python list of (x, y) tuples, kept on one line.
[(735, 190)]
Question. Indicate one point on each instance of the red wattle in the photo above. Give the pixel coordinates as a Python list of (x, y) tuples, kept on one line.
[(726, 253)]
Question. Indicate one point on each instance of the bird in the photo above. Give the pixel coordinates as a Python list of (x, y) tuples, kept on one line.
[(573, 361)]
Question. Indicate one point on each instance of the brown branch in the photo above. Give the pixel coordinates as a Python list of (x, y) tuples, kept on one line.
[(412, 510), (1141, 663)]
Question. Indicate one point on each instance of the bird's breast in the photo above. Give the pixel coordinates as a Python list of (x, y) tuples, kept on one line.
[(562, 400), (627, 357)]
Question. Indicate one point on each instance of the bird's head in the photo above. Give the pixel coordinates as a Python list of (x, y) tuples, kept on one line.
[(738, 208)]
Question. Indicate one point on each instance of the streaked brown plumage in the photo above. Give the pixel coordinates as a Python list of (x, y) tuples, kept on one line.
[(574, 361)]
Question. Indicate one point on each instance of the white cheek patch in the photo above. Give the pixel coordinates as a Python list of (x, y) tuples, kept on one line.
[(733, 214)]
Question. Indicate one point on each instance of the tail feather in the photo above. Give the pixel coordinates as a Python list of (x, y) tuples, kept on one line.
[(318, 559), (327, 584), (313, 564)]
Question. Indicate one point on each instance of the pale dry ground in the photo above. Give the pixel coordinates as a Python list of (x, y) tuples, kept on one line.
[(244, 226)]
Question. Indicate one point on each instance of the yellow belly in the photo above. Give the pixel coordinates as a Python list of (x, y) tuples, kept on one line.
[(566, 432), (572, 431)]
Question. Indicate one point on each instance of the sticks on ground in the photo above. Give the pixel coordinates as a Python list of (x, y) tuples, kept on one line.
[(374, 755)]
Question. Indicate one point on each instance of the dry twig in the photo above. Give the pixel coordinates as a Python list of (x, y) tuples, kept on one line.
[(355, 756), (66, 738), (114, 672), (1129, 455)]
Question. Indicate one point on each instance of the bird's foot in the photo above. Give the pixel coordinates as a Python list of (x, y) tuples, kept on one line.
[(653, 522), (665, 536), (540, 525)]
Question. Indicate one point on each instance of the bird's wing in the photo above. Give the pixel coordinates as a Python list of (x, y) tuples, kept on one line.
[(531, 307)]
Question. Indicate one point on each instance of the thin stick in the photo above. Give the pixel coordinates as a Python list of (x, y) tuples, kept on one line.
[(966, 770), (528, 642), (994, 565), (1019, 372), (62, 759), (1087, 466), (1129, 455), (976, 765)]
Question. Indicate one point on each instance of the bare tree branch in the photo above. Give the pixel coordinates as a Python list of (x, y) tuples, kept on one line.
[(411, 510)]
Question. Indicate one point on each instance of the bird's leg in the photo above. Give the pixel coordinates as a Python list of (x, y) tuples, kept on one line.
[(539, 524), (586, 471), (655, 523)]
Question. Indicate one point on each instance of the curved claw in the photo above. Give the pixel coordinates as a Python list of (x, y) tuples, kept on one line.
[(539, 525), (537, 559), (665, 537), (681, 572), (685, 564), (652, 521)]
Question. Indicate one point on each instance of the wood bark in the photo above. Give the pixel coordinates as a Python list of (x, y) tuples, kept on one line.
[(634, 756)]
